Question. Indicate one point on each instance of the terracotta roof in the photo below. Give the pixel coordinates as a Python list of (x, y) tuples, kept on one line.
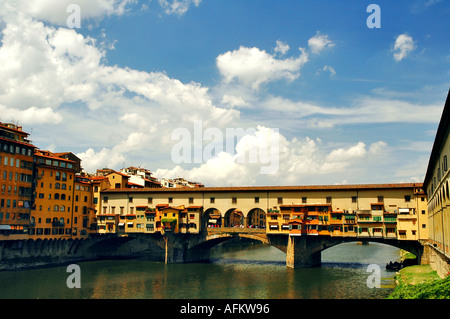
[(52, 156), (266, 188)]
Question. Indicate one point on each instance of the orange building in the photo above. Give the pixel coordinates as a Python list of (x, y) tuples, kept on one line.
[(55, 185), (84, 209), (16, 180)]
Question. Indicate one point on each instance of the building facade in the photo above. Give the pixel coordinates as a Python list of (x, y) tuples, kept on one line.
[(436, 185), (363, 211), (17, 182)]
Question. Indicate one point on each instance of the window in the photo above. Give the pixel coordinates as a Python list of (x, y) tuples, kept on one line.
[(444, 164), (105, 199), (64, 177), (58, 176), (328, 199), (212, 200), (234, 200), (407, 198), (354, 199), (380, 199), (150, 200), (191, 200), (170, 199), (304, 200), (280, 200), (256, 199)]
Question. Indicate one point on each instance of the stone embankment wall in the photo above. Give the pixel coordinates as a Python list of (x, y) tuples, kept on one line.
[(439, 262), (23, 254)]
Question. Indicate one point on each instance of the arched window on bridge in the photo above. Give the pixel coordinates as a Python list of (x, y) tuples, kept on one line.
[(256, 218)]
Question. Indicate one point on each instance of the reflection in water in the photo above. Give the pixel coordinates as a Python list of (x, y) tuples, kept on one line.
[(253, 271)]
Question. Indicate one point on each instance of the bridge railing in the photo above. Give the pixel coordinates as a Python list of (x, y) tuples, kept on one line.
[(236, 230)]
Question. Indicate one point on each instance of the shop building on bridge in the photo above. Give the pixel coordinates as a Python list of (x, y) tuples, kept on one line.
[(394, 211)]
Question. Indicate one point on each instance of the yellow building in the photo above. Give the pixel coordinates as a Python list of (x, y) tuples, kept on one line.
[(436, 186)]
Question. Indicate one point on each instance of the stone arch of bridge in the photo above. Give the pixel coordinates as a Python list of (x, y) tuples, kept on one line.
[(414, 247), (216, 239)]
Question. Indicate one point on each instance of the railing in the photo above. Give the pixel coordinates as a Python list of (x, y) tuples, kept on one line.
[(236, 230)]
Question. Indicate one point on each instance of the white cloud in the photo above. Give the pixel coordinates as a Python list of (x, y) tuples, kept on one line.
[(178, 7), (282, 48), (299, 162), (233, 100), (404, 44), (55, 11), (329, 69), (319, 42), (30, 116), (365, 110), (253, 66)]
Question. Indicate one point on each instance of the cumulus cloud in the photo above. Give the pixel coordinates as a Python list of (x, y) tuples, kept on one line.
[(319, 42), (55, 11), (253, 66), (298, 161), (30, 116), (404, 44)]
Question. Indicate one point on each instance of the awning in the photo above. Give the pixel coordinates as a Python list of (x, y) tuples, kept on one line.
[(213, 221), (121, 224), (5, 227), (129, 224), (404, 210)]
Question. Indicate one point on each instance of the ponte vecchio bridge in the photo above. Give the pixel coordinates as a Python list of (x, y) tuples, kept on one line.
[(300, 220)]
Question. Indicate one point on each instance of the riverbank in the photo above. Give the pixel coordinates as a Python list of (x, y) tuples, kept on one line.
[(420, 282)]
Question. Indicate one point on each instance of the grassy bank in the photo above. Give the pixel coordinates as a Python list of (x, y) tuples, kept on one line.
[(420, 282)]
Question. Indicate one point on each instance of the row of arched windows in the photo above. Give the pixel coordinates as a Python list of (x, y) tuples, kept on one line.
[(59, 208), (441, 197)]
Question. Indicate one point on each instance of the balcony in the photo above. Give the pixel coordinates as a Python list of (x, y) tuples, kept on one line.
[(336, 221), (390, 219)]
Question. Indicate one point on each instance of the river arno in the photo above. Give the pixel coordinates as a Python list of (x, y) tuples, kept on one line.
[(235, 272)]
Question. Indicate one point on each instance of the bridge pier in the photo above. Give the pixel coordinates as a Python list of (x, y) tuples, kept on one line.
[(301, 252), (178, 249)]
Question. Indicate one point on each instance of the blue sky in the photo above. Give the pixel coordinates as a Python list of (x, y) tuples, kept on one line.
[(347, 103)]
